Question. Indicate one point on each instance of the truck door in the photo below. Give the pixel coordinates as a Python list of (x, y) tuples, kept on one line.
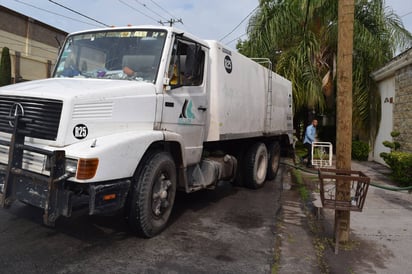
[(185, 101)]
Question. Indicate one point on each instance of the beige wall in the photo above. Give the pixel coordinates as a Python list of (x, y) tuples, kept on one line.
[(33, 45), (35, 57)]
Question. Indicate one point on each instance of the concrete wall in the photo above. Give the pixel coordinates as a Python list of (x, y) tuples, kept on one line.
[(33, 45), (387, 93), (402, 111)]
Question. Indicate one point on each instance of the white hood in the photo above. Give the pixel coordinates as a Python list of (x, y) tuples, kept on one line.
[(97, 107), (68, 88)]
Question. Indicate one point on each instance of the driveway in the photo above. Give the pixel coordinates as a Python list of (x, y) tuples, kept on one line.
[(227, 230)]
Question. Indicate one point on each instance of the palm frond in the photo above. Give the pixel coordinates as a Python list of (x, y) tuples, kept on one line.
[(300, 37)]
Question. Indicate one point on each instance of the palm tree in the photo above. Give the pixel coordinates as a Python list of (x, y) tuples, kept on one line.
[(300, 37)]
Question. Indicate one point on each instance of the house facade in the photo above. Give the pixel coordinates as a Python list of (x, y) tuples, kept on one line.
[(395, 87), (33, 45)]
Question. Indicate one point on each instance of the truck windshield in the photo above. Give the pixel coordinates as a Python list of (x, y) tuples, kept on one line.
[(112, 54)]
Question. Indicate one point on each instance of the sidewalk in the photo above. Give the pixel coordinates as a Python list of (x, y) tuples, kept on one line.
[(380, 237)]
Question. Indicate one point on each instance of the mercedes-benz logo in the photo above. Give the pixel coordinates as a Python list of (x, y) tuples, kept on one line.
[(15, 110)]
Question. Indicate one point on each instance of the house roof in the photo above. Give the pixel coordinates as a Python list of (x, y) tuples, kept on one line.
[(389, 69), (33, 20)]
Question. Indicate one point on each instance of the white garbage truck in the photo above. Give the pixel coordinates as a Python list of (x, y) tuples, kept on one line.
[(133, 114)]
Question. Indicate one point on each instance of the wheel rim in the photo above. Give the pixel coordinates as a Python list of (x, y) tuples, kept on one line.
[(160, 197), (261, 168)]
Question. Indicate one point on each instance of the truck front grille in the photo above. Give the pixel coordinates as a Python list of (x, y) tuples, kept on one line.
[(45, 114)]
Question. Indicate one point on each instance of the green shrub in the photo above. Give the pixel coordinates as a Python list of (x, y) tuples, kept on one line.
[(389, 144), (401, 165), (400, 162), (5, 67), (360, 151), (300, 150)]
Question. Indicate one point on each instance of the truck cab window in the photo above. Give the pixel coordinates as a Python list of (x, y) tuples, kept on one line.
[(116, 55), (187, 64)]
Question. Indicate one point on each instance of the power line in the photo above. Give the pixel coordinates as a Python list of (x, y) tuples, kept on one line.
[(243, 20), (165, 10), (144, 5), (48, 11), (81, 14), (228, 43), (406, 14), (133, 8)]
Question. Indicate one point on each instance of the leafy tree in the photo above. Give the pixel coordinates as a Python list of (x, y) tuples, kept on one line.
[(5, 67), (300, 37)]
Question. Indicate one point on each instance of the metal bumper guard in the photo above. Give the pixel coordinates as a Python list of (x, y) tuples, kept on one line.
[(50, 193)]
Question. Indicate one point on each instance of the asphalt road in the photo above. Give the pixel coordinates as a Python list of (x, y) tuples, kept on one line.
[(226, 230)]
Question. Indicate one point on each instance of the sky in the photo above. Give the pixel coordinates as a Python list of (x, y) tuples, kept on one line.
[(223, 20)]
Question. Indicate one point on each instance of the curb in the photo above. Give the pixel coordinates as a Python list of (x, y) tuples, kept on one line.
[(295, 239)]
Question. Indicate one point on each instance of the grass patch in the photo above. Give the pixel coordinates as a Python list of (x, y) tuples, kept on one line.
[(350, 245), (277, 252), (276, 264), (298, 180), (300, 149), (319, 242)]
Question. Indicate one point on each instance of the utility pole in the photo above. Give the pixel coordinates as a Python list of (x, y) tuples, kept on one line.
[(344, 112), (172, 21)]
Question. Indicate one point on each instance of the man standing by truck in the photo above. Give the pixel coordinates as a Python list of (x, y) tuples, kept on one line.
[(310, 135)]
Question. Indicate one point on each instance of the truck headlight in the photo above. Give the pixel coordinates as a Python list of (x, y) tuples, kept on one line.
[(71, 166)]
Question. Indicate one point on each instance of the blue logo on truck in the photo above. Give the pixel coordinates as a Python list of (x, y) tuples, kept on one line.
[(187, 115)]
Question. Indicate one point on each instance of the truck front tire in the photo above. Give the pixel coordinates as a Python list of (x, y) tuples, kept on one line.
[(256, 165), (153, 195)]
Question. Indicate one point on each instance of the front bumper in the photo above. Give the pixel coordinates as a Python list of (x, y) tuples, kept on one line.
[(47, 192), (53, 192)]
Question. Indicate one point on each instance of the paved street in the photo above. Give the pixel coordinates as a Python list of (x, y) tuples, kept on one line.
[(230, 230)]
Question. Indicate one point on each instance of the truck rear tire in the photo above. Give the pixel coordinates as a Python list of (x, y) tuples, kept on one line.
[(153, 195), (256, 165), (274, 160)]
